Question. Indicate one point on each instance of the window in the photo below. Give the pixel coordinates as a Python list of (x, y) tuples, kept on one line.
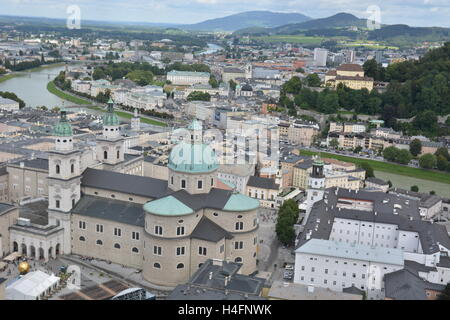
[(72, 168), (156, 265), (82, 238), (239, 225), (180, 266), (180, 231), (73, 203), (117, 232), (58, 170), (238, 245), (158, 230), (157, 250), (183, 184), (215, 214), (118, 154), (238, 260), (135, 235), (117, 246), (57, 204), (171, 180), (180, 251), (222, 248), (105, 155), (135, 250), (99, 228), (212, 182), (200, 184), (99, 242), (82, 225), (202, 251)]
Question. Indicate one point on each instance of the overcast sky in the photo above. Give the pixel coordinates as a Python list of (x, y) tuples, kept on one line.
[(412, 12)]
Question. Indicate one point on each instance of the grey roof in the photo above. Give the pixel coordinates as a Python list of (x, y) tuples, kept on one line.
[(264, 183), (188, 292), (209, 231), (406, 285), (5, 207), (444, 262), (215, 199), (305, 164), (109, 209), (119, 182), (417, 267), (353, 290), (407, 217), (377, 181), (38, 163)]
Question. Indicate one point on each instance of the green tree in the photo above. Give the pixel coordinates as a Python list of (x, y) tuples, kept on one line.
[(442, 151), (293, 86), (415, 189), (390, 153), (232, 85), (98, 74), (141, 77), (213, 81), (287, 217), (403, 156), (368, 168), (334, 143), (427, 161), (415, 147), (313, 80), (441, 162), (199, 96)]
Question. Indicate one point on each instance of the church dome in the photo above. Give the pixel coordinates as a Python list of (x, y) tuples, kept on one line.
[(192, 158), (63, 127)]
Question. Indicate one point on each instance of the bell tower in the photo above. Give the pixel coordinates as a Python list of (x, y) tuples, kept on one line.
[(64, 179), (316, 187), (110, 145)]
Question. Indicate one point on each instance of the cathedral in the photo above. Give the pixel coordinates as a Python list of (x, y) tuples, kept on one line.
[(167, 229)]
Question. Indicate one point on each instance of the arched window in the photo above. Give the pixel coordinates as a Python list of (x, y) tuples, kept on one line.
[(135, 250), (180, 266), (238, 260), (118, 154), (156, 265), (99, 242), (72, 168), (239, 225), (117, 246), (58, 170), (183, 184), (82, 238), (105, 155), (200, 265)]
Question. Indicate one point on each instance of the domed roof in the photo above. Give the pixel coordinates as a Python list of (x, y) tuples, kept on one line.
[(240, 202), (110, 118), (192, 158), (63, 127), (167, 206)]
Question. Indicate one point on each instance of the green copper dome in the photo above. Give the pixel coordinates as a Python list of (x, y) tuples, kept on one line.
[(192, 158), (110, 118), (167, 206), (195, 125), (63, 127)]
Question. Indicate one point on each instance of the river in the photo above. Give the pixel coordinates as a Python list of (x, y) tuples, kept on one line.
[(211, 49)]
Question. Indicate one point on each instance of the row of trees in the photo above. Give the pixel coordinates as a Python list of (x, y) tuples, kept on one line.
[(199, 96), (394, 154), (12, 96), (287, 217)]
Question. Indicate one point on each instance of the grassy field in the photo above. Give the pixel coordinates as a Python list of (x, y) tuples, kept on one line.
[(388, 167), (292, 39), (51, 87)]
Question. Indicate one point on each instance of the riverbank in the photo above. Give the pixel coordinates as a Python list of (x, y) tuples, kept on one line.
[(52, 88), (23, 73), (388, 167)]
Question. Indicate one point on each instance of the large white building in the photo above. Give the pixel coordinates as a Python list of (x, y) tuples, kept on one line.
[(8, 104), (369, 240), (320, 57), (187, 78)]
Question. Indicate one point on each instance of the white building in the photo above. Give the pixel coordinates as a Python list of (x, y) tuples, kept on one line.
[(320, 57), (8, 104), (187, 78), (32, 286)]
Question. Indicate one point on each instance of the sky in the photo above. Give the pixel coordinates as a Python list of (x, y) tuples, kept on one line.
[(411, 12)]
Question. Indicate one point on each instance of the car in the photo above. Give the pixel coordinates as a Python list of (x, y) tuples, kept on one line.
[(289, 267), (288, 275)]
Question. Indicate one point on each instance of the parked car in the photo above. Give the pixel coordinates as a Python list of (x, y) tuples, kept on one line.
[(289, 267), (288, 275)]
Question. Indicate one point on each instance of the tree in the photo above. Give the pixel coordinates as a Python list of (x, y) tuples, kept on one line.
[(427, 161), (294, 85), (442, 151), (368, 168), (141, 77), (390, 153), (415, 147), (390, 183), (313, 80), (334, 143), (232, 85), (287, 217), (415, 189), (199, 96), (213, 81), (403, 156), (358, 149), (441, 162)]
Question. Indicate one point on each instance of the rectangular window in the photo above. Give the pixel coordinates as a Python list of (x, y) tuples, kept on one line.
[(202, 251), (200, 184), (158, 230), (57, 203), (157, 250), (238, 245), (180, 251), (183, 184), (135, 235), (82, 225), (180, 231), (99, 228), (117, 232)]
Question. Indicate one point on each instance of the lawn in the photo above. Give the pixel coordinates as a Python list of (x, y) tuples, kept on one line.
[(51, 87), (7, 77), (289, 38), (388, 167)]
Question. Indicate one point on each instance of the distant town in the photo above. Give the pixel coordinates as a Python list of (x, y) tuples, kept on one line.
[(250, 164)]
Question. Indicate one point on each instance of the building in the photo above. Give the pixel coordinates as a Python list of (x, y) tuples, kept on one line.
[(187, 78), (8, 104), (303, 132), (8, 217), (295, 291), (350, 75), (263, 189), (320, 57), (236, 175), (357, 238), (34, 285), (373, 183), (232, 74), (219, 280)]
